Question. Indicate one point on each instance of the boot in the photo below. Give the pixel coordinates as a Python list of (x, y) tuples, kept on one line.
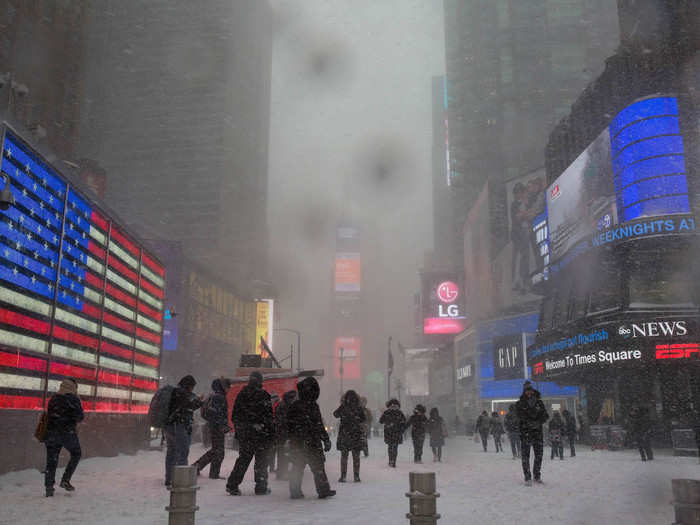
[(65, 484), (49, 492), (233, 491), (327, 494)]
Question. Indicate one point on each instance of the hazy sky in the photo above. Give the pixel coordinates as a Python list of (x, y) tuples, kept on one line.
[(351, 91)]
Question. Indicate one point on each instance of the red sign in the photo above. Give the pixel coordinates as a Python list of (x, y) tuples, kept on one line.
[(349, 357), (448, 292), (443, 325), (678, 351), (538, 368)]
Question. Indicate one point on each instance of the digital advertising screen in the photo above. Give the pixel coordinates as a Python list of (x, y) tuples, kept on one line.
[(348, 274), (349, 357), (443, 310)]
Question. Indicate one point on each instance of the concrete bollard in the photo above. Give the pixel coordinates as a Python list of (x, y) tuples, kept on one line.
[(422, 498), (686, 501), (183, 496)]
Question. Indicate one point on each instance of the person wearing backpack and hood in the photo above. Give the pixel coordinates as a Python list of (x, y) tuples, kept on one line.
[(178, 430), (418, 422), (282, 433), (497, 430), (64, 412), (437, 429), (308, 440), (215, 413), (350, 433), (394, 426), (483, 427), (532, 414), (513, 428)]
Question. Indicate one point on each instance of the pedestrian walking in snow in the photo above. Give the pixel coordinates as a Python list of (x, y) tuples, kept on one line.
[(394, 425), (483, 427), (255, 431), (513, 428), (570, 426), (215, 413), (640, 429), (556, 430), (532, 414), (64, 412), (351, 434), (366, 426), (497, 430), (438, 432), (178, 430), (282, 434), (308, 440), (418, 423)]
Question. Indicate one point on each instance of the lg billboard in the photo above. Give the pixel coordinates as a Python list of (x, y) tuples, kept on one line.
[(443, 304)]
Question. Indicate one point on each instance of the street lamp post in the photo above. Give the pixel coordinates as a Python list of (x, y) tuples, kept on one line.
[(298, 334)]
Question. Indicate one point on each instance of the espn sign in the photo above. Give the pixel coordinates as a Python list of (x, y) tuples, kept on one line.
[(538, 368), (678, 351)]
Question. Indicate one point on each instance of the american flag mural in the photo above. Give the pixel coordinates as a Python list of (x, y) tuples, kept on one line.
[(78, 296)]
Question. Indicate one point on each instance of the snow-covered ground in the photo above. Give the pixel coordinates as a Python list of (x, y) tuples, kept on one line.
[(486, 488)]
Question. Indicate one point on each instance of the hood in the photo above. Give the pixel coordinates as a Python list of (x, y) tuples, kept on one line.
[(289, 397), (537, 394), (220, 386), (308, 389), (68, 386), (187, 382)]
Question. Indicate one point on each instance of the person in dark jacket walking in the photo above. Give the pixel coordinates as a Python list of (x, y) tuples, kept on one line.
[(640, 429), (570, 430), (556, 429), (436, 428), (64, 412), (532, 414), (308, 440), (254, 426), (178, 430), (497, 430), (215, 413), (483, 427), (418, 423), (394, 425), (350, 433), (513, 428), (282, 434)]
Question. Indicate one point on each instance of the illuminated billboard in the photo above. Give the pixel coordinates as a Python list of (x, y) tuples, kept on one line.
[(348, 274), (443, 310), (264, 313), (79, 296), (349, 357)]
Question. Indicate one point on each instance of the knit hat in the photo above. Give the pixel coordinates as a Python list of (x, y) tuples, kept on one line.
[(187, 382), (68, 386), (527, 386), (255, 378)]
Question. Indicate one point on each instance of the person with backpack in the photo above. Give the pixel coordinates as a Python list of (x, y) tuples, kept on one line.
[(282, 433), (497, 430), (254, 425), (215, 413), (366, 427), (556, 430), (64, 412), (483, 427), (308, 440), (570, 431), (350, 434), (513, 428), (532, 414), (640, 429), (178, 429), (418, 422), (394, 426), (438, 431)]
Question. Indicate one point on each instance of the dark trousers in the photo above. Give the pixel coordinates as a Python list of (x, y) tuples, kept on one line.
[(644, 444), (557, 449), (215, 455), (178, 437), (315, 459), (248, 451), (437, 452), (484, 440), (355, 462), (572, 444), (393, 449), (54, 444), (282, 462), (514, 438), (536, 441), (497, 441), (418, 447)]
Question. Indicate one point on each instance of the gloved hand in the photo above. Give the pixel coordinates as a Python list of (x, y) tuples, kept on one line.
[(327, 445), (257, 427)]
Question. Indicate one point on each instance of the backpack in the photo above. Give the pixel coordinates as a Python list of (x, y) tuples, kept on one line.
[(42, 427), (206, 411), (159, 409)]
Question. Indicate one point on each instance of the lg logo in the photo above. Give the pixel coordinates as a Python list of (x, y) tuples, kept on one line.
[(448, 292)]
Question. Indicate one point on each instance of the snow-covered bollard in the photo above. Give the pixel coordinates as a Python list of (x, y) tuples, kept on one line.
[(686, 501), (422, 498), (183, 496)]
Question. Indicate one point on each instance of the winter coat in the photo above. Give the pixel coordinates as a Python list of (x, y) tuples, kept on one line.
[(367, 425), (418, 423), (281, 417), (570, 425), (497, 426), (532, 413), (435, 429), (394, 425), (183, 403), (640, 423), (483, 424), (64, 412), (217, 407), (252, 416), (350, 433), (305, 426), (511, 422), (556, 429)]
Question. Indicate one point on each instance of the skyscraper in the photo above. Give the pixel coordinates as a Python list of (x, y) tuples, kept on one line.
[(176, 110)]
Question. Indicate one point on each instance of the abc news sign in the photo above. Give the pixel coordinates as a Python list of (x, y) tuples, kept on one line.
[(658, 340), (508, 357)]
